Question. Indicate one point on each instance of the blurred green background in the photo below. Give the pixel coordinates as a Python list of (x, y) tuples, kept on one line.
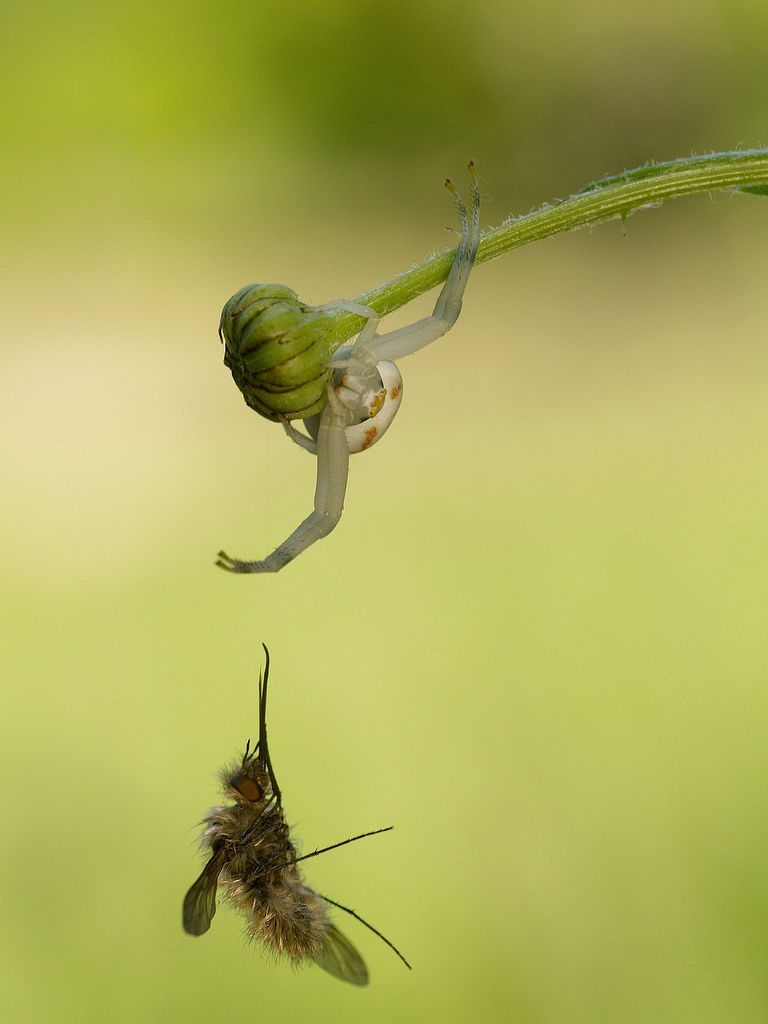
[(536, 644)]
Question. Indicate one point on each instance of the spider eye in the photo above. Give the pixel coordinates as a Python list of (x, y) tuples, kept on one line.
[(247, 788)]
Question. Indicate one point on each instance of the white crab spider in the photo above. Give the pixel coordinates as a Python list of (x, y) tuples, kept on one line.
[(364, 394)]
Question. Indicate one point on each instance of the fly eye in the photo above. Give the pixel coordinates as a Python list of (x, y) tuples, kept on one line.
[(247, 787)]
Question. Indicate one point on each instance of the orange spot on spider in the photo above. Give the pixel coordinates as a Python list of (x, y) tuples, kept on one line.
[(370, 437), (395, 391)]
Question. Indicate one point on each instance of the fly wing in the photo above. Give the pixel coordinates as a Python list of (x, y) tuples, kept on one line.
[(339, 957), (200, 901)]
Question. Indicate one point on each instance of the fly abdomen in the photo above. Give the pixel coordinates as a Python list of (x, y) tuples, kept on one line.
[(290, 920)]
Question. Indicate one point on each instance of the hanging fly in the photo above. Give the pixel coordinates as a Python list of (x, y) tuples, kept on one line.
[(254, 860)]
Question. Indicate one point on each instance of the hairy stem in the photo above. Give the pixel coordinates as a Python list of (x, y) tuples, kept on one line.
[(618, 196)]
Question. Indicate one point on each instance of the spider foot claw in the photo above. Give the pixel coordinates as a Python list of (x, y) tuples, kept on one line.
[(230, 564), (226, 562)]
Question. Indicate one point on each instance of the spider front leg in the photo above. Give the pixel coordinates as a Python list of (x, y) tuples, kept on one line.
[(371, 348), (332, 471)]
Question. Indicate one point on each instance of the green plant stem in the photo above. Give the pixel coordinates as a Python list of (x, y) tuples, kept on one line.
[(618, 196)]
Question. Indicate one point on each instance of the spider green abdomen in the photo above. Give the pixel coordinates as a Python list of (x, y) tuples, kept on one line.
[(276, 348)]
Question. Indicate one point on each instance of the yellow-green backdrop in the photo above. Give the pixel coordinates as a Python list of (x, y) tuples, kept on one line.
[(536, 644)]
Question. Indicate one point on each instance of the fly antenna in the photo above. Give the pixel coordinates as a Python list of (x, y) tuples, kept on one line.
[(370, 927)]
